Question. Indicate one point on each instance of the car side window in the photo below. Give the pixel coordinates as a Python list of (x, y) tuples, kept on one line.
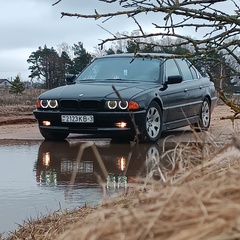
[(194, 72), (171, 68), (185, 69)]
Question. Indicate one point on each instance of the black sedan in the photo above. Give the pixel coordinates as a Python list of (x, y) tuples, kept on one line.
[(123, 96)]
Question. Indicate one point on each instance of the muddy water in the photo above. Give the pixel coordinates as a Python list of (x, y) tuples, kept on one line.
[(35, 176)]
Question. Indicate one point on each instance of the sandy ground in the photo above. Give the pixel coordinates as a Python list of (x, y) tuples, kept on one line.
[(25, 127)]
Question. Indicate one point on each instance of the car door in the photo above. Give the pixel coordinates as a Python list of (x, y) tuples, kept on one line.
[(193, 87), (175, 94)]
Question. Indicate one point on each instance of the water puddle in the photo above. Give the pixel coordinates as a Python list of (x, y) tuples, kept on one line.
[(35, 175)]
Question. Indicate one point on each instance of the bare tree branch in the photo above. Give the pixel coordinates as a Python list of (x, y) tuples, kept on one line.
[(218, 30), (56, 2)]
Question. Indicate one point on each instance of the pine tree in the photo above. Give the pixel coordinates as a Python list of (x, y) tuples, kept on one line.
[(17, 86)]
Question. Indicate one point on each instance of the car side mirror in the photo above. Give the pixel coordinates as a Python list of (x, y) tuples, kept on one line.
[(70, 79), (174, 79)]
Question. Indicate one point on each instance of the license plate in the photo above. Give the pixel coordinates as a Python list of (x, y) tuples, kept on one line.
[(77, 118)]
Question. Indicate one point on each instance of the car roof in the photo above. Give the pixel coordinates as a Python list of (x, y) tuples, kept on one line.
[(144, 55)]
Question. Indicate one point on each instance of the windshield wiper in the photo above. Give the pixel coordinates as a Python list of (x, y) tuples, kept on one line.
[(115, 79)]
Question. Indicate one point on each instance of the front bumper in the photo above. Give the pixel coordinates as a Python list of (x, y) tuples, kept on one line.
[(104, 122)]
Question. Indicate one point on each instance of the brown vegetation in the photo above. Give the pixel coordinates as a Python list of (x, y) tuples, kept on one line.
[(26, 99), (18, 108)]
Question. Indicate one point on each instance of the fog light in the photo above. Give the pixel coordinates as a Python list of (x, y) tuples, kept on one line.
[(46, 123), (121, 163), (121, 124), (46, 159)]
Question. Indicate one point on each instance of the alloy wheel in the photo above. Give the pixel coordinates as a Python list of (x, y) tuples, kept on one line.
[(205, 115), (153, 122)]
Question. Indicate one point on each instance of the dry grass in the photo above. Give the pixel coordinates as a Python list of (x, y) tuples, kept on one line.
[(10, 103), (18, 108), (49, 227), (196, 197), (28, 97)]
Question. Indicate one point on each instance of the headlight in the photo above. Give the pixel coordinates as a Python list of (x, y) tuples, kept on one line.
[(52, 103), (123, 104), (120, 105), (44, 103), (47, 104), (112, 104)]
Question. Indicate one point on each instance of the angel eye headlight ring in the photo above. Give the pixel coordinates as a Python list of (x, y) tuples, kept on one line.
[(112, 104), (123, 104), (44, 103), (52, 103), (48, 103)]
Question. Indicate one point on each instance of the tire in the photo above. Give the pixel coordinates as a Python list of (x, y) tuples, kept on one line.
[(204, 117), (151, 128), (48, 135)]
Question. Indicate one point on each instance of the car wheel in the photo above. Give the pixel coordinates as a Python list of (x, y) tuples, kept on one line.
[(151, 128), (204, 118), (152, 161), (53, 135), (153, 155)]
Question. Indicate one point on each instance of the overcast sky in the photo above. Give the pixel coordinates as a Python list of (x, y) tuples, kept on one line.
[(26, 25)]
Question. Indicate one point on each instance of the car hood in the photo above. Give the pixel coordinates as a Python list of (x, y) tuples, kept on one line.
[(96, 90)]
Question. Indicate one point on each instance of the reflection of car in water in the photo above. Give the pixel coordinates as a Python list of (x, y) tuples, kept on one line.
[(57, 161)]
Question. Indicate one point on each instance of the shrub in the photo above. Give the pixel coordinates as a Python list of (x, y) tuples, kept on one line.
[(17, 86)]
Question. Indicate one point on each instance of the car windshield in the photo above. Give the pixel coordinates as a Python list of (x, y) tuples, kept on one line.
[(122, 69)]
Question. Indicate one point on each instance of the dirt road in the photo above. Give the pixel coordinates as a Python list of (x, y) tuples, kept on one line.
[(220, 130)]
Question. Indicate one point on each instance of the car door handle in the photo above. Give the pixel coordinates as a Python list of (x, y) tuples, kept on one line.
[(200, 87), (185, 90)]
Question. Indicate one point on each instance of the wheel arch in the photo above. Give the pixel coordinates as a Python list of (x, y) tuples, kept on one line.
[(151, 132), (158, 101), (208, 98), (160, 104)]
